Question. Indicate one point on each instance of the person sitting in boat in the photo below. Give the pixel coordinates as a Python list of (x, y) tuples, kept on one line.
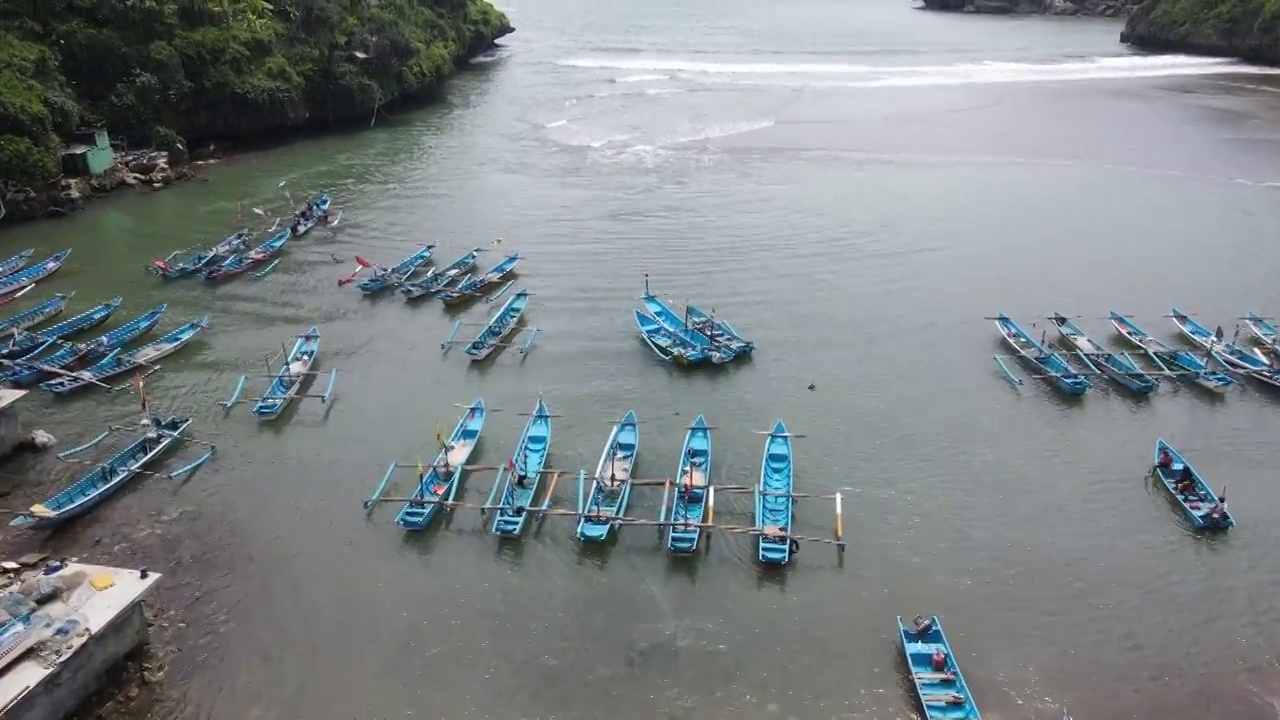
[(521, 478), (1166, 460), (923, 625), (1186, 488), (1218, 511), (939, 660)]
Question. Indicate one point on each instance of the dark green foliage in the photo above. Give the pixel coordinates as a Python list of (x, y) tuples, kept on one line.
[(210, 69), (1243, 28)]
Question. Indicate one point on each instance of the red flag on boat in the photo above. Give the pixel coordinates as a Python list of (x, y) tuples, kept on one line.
[(361, 264), (511, 464)]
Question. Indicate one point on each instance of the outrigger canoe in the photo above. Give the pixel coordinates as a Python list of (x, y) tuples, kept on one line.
[(1120, 368), (500, 326), (141, 358), (99, 483), (441, 481), (1199, 503), (34, 274), (1050, 364), (46, 310), (1236, 357), (440, 278), (11, 265), (523, 473), (195, 262), (310, 215), (773, 498), (676, 324), (26, 343), (239, 264), (943, 693), (26, 371), (293, 371), (687, 508), (667, 345), (719, 330), (474, 286), (384, 278), (1188, 366), (1263, 330), (611, 485)]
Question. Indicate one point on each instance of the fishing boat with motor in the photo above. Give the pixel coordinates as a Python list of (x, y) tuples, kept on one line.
[(1230, 354), (774, 501), (611, 485), (719, 330), (27, 343), (193, 263), (935, 674), (522, 474), (310, 215), (13, 264), (1049, 364), (678, 325), (474, 286), (500, 326), (439, 483), (34, 274), (384, 278), (141, 359), (46, 310), (438, 279), (668, 346), (685, 505), (1263, 330), (29, 369), (1205, 509), (99, 483), (286, 382), (1179, 363), (241, 263), (1120, 368)]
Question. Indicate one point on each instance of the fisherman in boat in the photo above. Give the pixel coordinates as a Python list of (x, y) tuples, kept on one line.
[(1218, 511), (1187, 484), (1166, 460), (520, 478), (939, 660)]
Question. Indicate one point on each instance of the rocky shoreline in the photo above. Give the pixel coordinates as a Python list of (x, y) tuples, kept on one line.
[(1100, 8)]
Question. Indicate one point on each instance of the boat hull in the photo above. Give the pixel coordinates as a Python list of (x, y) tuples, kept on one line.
[(143, 357), (942, 692), (611, 485), (290, 378), (773, 499), (1201, 513), (446, 473), (693, 485), (1034, 356), (530, 458)]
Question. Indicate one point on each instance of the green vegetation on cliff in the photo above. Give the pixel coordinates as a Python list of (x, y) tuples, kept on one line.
[(1248, 29), (152, 70)]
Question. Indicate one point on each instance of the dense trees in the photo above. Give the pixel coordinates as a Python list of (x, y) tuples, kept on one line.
[(215, 68), (1241, 28)]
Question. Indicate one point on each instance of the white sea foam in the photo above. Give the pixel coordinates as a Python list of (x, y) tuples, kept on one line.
[(641, 78), (557, 123)]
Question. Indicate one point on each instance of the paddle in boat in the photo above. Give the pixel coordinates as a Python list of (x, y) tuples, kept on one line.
[(241, 263), (774, 498), (26, 343), (14, 296), (286, 382), (1263, 330), (1205, 509), (499, 327), (29, 370), (474, 286), (521, 475), (99, 483), (943, 693), (395, 276), (685, 506), (34, 274), (46, 310), (140, 359), (678, 325), (13, 264), (1179, 363), (1120, 368), (1230, 354), (668, 346), (438, 279), (193, 263), (1050, 365), (310, 215), (611, 485)]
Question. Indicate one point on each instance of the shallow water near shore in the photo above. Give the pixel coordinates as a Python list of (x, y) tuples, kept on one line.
[(855, 187)]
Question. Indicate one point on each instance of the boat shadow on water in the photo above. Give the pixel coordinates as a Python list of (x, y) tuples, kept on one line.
[(597, 553), (773, 576)]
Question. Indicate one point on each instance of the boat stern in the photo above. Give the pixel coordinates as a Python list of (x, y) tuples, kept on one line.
[(416, 517), (593, 530), (683, 541), (774, 552)]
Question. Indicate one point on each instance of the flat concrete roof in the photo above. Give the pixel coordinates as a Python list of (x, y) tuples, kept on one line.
[(127, 588), (9, 397)]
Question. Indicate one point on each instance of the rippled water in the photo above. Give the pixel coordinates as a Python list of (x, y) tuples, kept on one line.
[(856, 187)]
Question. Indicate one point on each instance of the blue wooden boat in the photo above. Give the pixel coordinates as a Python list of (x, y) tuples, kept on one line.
[(522, 475), (195, 262), (943, 693), (25, 343), (1182, 363), (99, 483), (774, 500), (687, 509), (310, 215), (474, 286), (28, 371), (1236, 357), (611, 485), (441, 481), (677, 324), (1050, 364), (384, 278), (10, 266), (34, 274), (499, 327), (46, 310), (719, 330), (1262, 329), (440, 278), (667, 345), (288, 380), (239, 264), (1204, 508), (141, 358), (1120, 368)]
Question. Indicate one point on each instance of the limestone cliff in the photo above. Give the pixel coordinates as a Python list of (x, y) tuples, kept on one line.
[(1107, 8), (1247, 29)]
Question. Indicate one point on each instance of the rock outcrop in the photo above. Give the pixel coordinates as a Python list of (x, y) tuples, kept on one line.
[(1246, 29), (148, 170), (1105, 8)]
